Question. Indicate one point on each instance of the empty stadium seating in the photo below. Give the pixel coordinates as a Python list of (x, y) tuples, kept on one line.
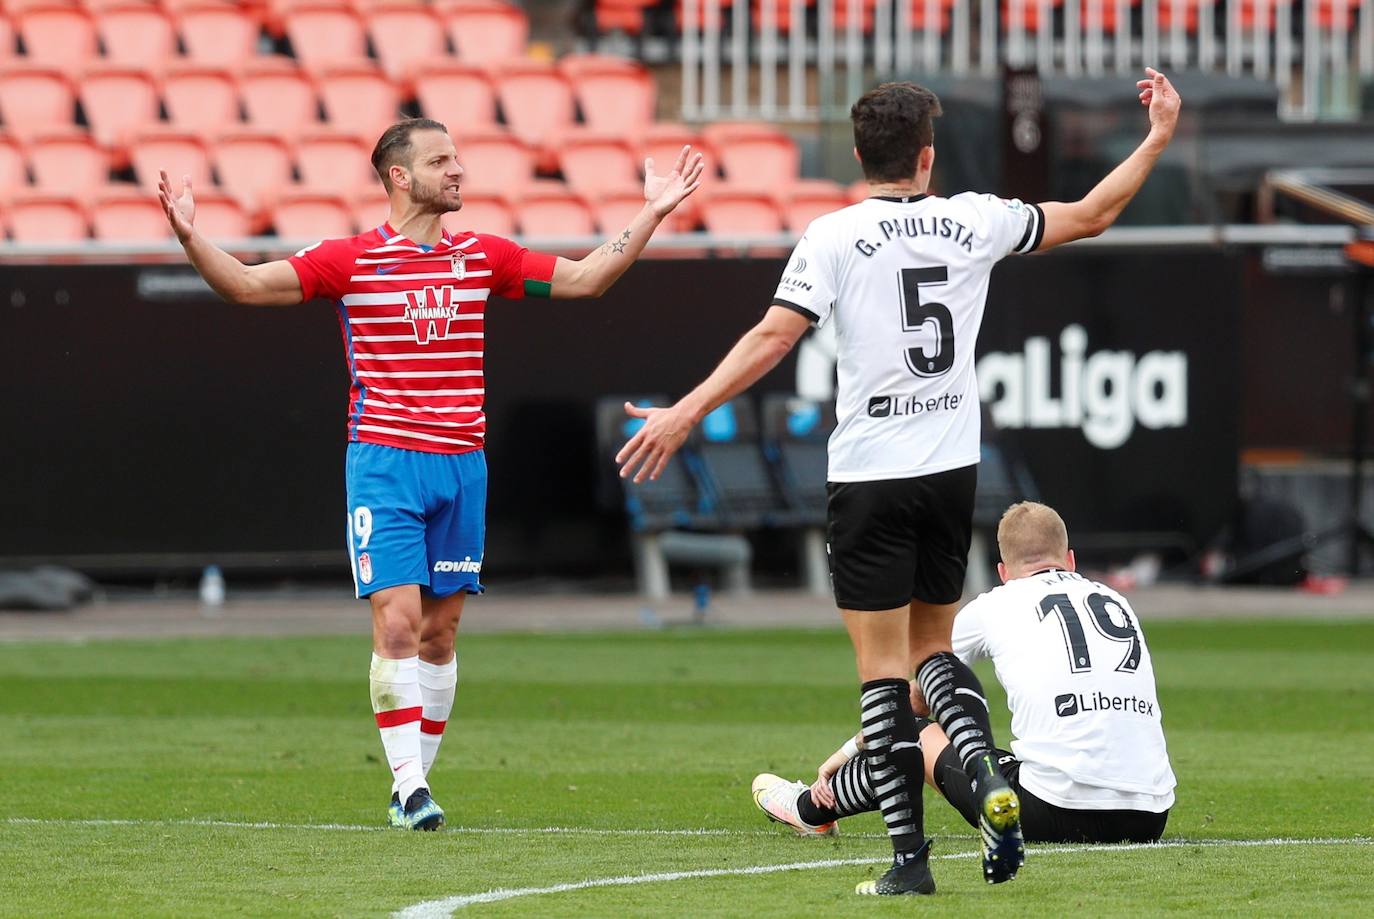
[(180, 153), (328, 158), (216, 33), (67, 159), (614, 94), (251, 164), (308, 214), (56, 35), (323, 33), (595, 162), (485, 32), (277, 96), (553, 212), (494, 162), (118, 100), (13, 174), (136, 33), (358, 97), (536, 100), (220, 216), (34, 98), (457, 94), (483, 213), (805, 200), (128, 214), (613, 210), (35, 216), (403, 34), (200, 98), (740, 212)]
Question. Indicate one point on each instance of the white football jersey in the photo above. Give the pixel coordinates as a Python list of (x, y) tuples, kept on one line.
[(1081, 689), (905, 280)]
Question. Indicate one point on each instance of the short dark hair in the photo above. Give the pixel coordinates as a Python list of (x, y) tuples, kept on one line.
[(892, 124), (394, 146)]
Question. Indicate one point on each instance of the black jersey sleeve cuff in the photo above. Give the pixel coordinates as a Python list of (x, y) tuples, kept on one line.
[(796, 308), (1035, 230)]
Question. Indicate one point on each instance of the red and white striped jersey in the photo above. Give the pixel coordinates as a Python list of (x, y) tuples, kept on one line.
[(413, 327)]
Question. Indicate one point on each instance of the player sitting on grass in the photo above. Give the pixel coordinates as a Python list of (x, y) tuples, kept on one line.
[(1089, 762)]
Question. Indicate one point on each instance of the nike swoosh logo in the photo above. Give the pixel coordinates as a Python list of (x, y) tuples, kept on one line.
[(400, 767), (382, 269)]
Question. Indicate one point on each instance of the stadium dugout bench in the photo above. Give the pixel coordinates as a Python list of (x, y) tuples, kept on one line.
[(672, 519)]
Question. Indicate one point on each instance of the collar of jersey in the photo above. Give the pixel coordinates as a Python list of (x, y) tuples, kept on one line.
[(1034, 574), (390, 235), (900, 199)]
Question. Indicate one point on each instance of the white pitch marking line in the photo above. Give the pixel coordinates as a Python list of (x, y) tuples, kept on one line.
[(435, 909)]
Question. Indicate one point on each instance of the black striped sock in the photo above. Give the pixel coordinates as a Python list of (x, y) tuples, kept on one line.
[(957, 702), (893, 760)]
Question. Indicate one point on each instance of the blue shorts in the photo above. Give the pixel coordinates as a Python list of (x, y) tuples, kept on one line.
[(416, 518)]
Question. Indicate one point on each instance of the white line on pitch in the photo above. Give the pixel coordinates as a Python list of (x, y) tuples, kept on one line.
[(435, 909)]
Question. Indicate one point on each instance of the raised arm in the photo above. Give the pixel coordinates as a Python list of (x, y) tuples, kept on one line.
[(1065, 222), (666, 429), (269, 284), (592, 274)]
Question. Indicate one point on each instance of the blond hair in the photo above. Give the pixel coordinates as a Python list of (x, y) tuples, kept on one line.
[(1031, 532)]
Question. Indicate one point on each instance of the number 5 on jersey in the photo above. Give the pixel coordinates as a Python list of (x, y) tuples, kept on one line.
[(918, 316)]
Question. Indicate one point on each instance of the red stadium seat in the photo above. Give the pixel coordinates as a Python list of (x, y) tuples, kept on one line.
[(68, 160), (593, 162), (613, 210), (129, 214), (358, 97), (740, 212), (34, 98), (622, 15), (494, 163), (483, 213), (304, 214), (322, 34), (663, 142), (403, 33), (57, 36), (220, 216), (200, 98), (720, 132), (217, 33), (770, 160), (553, 212), (252, 165), (277, 96), (118, 100), (535, 99), (807, 199), (333, 159), (12, 173), (136, 33), (486, 32), (614, 94), (459, 95), (45, 217), (371, 206), (179, 152), (7, 49)]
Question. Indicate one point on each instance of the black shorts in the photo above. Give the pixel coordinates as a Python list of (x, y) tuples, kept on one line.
[(896, 540), (1040, 820)]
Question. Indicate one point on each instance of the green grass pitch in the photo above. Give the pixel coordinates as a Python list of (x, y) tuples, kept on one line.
[(244, 777)]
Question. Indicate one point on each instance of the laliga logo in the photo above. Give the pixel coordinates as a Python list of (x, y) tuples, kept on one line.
[(1105, 393)]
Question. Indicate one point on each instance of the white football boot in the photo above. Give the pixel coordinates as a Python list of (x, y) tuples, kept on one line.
[(777, 798)]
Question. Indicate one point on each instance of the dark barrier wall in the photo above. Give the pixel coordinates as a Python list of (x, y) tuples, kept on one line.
[(142, 417)]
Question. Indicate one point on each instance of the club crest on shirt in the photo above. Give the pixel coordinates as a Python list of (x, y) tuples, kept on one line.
[(365, 568), (460, 265)]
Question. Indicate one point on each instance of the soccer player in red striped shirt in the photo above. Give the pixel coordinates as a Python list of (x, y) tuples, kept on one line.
[(411, 298)]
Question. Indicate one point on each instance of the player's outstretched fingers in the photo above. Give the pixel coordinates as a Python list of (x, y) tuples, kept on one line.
[(681, 164)]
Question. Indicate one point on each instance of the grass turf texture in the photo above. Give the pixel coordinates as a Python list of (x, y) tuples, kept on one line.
[(1267, 724)]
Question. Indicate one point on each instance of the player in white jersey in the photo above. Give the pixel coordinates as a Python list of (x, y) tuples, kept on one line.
[(904, 276), (1089, 762)]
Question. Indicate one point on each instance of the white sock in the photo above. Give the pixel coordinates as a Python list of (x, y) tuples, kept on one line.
[(438, 684), (396, 702)]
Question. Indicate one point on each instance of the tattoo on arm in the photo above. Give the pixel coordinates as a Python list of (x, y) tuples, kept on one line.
[(617, 245)]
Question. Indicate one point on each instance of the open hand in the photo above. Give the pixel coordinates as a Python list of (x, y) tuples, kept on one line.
[(180, 210), (821, 792), (667, 191), (1159, 96), (664, 431)]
